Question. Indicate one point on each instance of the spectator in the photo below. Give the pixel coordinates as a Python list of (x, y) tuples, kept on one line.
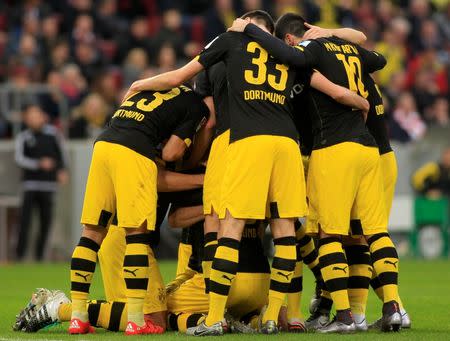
[(171, 33), (73, 84), (167, 59), (438, 113), (433, 178), (406, 123), (39, 153), (218, 18), (89, 119), (133, 66), (137, 38), (88, 59)]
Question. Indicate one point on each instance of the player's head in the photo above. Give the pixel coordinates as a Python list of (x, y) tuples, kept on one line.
[(290, 28), (261, 19), (34, 117)]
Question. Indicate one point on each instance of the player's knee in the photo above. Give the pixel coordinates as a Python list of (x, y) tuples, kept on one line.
[(94, 232)]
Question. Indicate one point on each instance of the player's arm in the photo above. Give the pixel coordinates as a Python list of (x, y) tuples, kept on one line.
[(181, 217), (339, 93), (349, 34), (203, 137), (169, 181), (372, 61), (294, 56), (175, 148)]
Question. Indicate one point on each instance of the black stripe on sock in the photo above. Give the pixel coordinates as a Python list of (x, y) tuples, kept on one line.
[(358, 282), (209, 252), (229, 242), (296, 285), (82, 265), (336, 284), (279, 286), (284, 241), (192, 320), (316, 271), (225, 265), (375, 283), (210, 236), (80, 287), (93, 311), (375, 237), (218, 288), (283, 264), (385, 252), (173, 321), (298, 253), (136, 283), (88, 243), (309, 258), (141, 238), (332, 258), (135, 260), (328, 240), (388, 278), (304, 241), (116, 314)]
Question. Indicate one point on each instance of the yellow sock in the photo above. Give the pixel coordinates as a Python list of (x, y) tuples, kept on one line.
[(308, 250), (136, 273), (294, 296), (82, 268), (208, 256), (283, 266), (334, 270), (385, 262), (360, 273), (222, 275)]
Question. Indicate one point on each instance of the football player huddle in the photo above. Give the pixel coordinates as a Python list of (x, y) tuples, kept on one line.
[(284, 121)]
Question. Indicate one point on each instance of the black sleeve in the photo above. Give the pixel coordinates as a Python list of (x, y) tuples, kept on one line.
[(202, 86), (196, 114), (215, 51), (294, 56), (371, 60)]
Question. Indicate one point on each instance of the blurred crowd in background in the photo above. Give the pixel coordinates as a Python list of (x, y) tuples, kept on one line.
[(87, 52)]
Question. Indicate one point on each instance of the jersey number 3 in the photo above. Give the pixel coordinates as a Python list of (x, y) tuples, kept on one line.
[(352, 66), (261, 75)]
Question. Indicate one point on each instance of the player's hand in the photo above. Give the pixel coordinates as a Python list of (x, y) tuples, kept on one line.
[(47, 164), (315, 32), (239, 25)]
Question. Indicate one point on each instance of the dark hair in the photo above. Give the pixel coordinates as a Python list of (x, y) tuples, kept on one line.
[(263, 16), (290, 23)]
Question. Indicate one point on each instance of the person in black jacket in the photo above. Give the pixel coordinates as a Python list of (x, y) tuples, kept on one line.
[(39, 153)]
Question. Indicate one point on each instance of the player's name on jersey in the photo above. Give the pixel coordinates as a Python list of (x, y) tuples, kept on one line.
[(347, 49), (134, 115), (264, 95)]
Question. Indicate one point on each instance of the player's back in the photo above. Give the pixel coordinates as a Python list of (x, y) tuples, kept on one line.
[(147, 118), (376, 122), (341, 62), (258, 87), (213, 82)]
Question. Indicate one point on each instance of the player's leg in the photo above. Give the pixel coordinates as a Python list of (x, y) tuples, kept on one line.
[(295, 319), (224, 267), (370, 207), (98, 208), (360, 273), (286, 202), (135, 178), (333, 178), (214, 175)]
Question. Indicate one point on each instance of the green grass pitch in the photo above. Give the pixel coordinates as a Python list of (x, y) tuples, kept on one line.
[(424, 289)]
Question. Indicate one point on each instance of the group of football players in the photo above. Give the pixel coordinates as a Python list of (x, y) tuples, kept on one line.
[(263, 101)]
